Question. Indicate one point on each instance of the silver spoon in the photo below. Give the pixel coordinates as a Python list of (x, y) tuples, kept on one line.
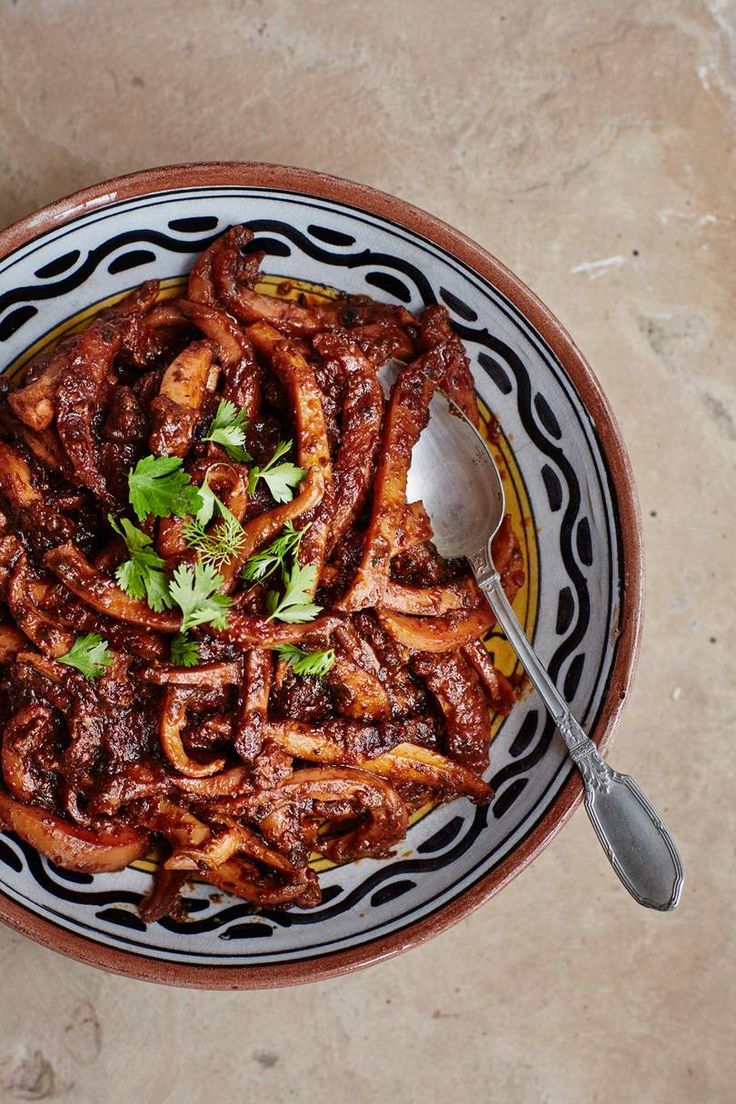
[(456, 478)]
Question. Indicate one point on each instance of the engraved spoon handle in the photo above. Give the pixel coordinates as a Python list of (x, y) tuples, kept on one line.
[(637, 843)]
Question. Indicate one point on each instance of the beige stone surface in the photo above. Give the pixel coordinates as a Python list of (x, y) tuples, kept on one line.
[(589, 145)]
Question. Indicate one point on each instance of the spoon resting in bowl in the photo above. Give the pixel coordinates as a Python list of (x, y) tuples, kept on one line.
[(455, 476)]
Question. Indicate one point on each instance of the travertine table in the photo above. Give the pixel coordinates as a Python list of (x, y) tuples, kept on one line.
[(589, 145)]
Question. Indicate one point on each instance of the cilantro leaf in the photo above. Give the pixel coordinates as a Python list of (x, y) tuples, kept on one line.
[(141, 576), (158, 487), (228, 429), (184, 652), (294, 605), (89, 654), (281, 449), (195, 592), (158, 597), (318, 662), (210, 503), (281, 479), (265, 562)]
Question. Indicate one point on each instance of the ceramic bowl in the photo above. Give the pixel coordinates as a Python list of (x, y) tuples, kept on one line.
[(569, 487)]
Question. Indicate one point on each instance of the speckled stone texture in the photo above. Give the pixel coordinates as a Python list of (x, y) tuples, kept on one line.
[(589, 145)]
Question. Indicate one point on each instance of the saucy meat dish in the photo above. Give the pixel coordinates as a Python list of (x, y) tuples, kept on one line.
[(225, 634)]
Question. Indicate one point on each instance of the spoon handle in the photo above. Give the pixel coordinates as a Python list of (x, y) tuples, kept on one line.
[(637, 843)]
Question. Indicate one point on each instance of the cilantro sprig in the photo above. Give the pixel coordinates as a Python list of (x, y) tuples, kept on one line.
[(228, 429), (195, 591), (263, 564), (295, 604), (90, 654), (184, 651), (142, 576), (210, 504), (281, 479), (319, 662), (158, 487)]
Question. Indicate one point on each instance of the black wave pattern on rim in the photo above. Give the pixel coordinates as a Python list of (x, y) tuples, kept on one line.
[(363, 258), (31, 293), (63, 889), (27, 294), (527, 404), (107, 899), (397, 871), (338, 901)]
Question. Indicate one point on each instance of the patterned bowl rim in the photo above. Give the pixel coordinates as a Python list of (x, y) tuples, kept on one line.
[(307, 182)]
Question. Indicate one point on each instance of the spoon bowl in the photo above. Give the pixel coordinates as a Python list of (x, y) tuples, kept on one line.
[(454, 475)]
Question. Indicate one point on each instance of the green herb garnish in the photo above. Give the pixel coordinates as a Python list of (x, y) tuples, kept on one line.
[(195, 591), (318, 662), (158, 487), (224, 541), (220, 544), (210, 503), (281, 479), (271, 558), (184, 652), (141, 576), (228, 429), (89, 654), (295, 604)]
